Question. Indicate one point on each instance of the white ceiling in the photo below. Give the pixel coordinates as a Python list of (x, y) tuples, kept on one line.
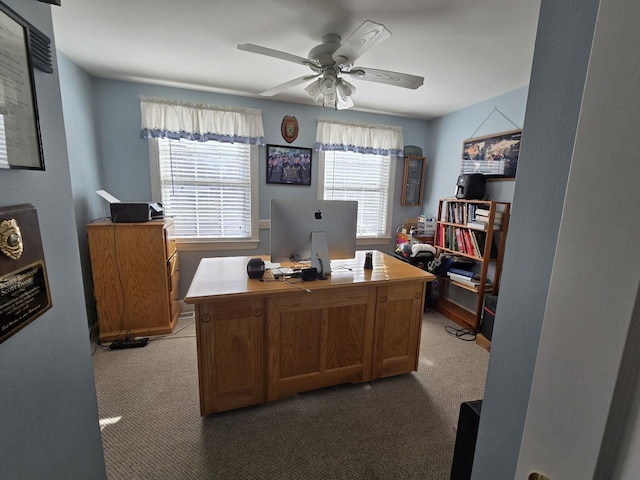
[(467, 50)]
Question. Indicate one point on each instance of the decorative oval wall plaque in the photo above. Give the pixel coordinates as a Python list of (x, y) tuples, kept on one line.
[(289, 128)]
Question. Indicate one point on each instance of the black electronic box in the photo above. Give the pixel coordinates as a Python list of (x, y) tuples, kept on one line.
[(135, 212), (471, 186)]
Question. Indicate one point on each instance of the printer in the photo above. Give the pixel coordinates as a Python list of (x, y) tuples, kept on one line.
[(134, 212), (131, 212)]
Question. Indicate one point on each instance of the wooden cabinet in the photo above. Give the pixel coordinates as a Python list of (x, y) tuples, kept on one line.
[(413, 180), (135, 277), (461, 233)]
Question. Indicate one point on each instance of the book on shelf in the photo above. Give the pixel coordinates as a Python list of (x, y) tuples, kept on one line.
[(469, 243), (473, 286), (460, 241), (482, 225), (461, 279), (485, 219), (486, 212), (464, 280), (471, 281), (460, 271), (476, 245)]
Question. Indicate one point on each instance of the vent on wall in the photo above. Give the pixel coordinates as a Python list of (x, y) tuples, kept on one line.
[(40, 50)]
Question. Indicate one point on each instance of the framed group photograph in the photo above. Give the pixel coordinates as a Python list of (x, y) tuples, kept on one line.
[(21, 145), (495, 156), (288, 165)]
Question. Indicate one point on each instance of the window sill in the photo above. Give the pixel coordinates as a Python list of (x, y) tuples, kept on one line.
[(373, 241), (214, 245)]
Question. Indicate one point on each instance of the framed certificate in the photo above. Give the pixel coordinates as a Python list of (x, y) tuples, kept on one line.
[(20, 142)]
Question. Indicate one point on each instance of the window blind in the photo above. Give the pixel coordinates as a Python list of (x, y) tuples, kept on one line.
[(361, 177), (4, 158), (206, 188)]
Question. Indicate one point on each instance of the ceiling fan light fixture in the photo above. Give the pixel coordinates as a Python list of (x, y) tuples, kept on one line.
[(313, 89), (345, 89), (329, 100), (327, 86), (344, 103), (328, 81)]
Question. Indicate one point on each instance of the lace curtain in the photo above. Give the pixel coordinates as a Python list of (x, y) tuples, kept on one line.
[(359, 137), (174, 119)]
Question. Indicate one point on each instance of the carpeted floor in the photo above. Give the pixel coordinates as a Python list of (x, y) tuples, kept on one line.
[(396, 428)]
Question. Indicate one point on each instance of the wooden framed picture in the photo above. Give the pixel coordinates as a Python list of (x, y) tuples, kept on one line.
[(288, 165), (413, 180), (20, 145), (495, 156)]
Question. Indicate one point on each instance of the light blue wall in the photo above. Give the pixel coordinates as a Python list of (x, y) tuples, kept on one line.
[(84, 165), (562, 50), (48, 409), (124, 156), (447, 133)]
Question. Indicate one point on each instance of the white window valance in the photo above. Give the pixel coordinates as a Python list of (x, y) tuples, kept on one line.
[(359, 137), (162, 118)]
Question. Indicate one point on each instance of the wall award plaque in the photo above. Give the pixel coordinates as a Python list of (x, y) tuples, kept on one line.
[(24, 286), (289, 128)]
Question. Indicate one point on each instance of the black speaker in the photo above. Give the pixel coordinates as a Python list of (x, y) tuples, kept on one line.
[(255, 268), (465, 447), (488, 315), (471, 186)]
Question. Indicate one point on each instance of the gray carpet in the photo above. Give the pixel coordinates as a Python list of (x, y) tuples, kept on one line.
[(396, 428)]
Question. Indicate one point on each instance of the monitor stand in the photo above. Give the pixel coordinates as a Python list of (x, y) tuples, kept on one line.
[(320, 253)]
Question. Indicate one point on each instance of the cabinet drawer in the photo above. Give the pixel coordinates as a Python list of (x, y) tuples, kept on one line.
[(170, 239)]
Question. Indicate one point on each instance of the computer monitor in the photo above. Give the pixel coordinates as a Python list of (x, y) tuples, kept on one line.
[(313, 230)]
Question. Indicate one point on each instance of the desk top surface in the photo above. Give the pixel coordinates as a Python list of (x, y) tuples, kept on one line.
[(218, 278)]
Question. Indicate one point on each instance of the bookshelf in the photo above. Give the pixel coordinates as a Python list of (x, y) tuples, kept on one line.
[(474, 232)]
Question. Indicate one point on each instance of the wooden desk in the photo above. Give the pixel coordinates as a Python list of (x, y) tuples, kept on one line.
[(260, 341)]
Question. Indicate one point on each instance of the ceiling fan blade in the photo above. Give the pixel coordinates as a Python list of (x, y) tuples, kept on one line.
[(283, 86), (367, 35), (386, 76), (250, 47)]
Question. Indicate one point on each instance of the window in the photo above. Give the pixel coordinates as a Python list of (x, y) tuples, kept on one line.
[(209, 188), (366, 178)]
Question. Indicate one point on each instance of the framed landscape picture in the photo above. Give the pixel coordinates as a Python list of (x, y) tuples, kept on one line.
[(495, 156), (288, 165)]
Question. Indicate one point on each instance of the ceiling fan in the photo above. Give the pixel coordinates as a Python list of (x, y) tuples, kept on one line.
[(332, 60)]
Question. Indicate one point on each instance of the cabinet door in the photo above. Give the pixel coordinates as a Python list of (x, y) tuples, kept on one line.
[(230, 338), (319, 339), (398, 327), (413, 180)]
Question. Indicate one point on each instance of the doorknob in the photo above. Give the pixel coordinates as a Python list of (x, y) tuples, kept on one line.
[(538, 476)]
